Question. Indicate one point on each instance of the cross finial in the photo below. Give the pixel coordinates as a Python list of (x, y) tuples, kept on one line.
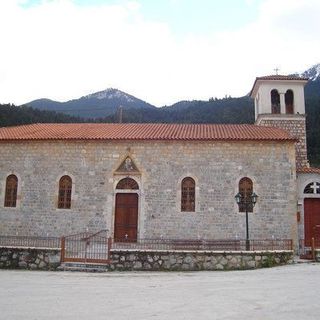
[(276, 70)]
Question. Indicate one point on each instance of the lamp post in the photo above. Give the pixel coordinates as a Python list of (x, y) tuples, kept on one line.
[(246, 201)]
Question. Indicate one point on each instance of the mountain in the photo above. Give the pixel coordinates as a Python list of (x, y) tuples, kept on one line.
[(312, 95), (102, 106), (105, 103), (95, 105), (312, 88), (50, 104), (182, 105), (312, 73)]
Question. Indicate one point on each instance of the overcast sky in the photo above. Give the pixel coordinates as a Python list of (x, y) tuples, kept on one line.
[(161, 51)]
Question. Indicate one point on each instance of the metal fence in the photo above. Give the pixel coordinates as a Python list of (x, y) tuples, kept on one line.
[(95, 247), (86, 247), (30, 241), (218, 245)]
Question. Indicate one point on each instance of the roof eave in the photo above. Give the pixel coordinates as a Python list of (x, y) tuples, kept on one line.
[(260, 80), (289, 139)]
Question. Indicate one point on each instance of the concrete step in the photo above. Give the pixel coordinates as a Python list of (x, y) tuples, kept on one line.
[(302, 260), (83, 267)]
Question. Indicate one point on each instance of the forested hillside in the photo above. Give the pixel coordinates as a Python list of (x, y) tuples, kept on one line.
[(11, 115), (227, 110), (313, 130)]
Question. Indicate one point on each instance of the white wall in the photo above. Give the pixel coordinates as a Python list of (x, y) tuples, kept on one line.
[(262, 95)]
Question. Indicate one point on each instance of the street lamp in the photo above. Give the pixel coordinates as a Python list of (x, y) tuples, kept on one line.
[(246, 201)]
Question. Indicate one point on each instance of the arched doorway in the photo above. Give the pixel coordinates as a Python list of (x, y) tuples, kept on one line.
[(312, 213), (126, 211), (311, 220)]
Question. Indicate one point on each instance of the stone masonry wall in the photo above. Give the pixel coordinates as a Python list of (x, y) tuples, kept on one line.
[(216, 167), (197, 260), (297, 128), (29, 258), (147, 260)]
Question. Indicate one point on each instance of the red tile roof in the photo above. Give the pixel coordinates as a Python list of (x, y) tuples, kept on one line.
[(146, 131), (281, 77), (309, 170), (277, 77)]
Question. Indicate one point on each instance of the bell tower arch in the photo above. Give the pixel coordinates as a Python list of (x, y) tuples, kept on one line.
[(279, 102)]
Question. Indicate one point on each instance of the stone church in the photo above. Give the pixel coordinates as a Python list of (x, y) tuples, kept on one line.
[(170, 181)]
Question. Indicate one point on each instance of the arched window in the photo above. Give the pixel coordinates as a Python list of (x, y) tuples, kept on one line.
[(275, 101), (246, 190), (188, 189), (313, 187), (10, 198), (65, 189), (288, 98), (127, 183)]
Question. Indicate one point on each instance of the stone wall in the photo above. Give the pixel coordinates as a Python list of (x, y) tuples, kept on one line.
[(147, 260), (197, 260), (216, 167), (29, 258), (297, 128)]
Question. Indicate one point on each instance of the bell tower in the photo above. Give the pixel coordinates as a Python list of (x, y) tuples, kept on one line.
[(279, 102)]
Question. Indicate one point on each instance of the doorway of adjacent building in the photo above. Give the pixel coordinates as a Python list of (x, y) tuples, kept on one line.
[(126, 217), (311, 220)]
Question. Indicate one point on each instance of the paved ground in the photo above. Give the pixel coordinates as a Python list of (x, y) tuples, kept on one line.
[(290, 292)]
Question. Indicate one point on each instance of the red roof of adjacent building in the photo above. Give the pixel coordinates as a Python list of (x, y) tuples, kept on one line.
[(309, 170), (146, 131)]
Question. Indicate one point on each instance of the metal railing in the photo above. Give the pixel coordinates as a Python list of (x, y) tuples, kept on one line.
[(206, 244), (271, 244), (30, 241), (96, 247), (86, 247)]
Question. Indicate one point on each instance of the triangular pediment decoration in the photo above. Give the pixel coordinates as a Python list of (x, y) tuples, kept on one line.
[(127, 166)]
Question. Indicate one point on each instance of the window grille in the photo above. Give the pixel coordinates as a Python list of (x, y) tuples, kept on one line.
[(65, 189), (188, 187), (246, 190), (10, 199), (127, 183), (313, 187)]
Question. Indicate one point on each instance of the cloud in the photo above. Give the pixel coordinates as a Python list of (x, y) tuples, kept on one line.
[(61, 51)]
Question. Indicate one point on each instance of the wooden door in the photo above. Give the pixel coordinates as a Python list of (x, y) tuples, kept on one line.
[(311, 220), (126, 217)]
